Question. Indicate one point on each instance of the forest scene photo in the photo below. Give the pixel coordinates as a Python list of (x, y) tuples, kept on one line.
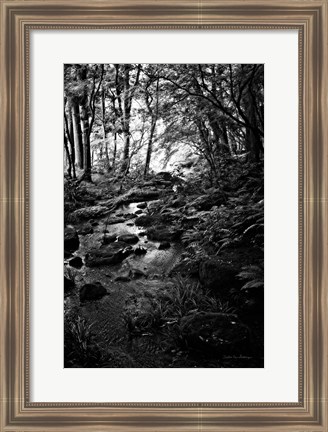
[(163, 215)]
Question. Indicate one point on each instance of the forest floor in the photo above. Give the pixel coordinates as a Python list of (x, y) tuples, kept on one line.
[(142, 290)]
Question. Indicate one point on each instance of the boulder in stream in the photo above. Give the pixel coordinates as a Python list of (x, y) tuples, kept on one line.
[(123, 276), (71, 239), (76, 262), (88, 212), (142, 205), (109, 238), (164, 175), (140, 250), (86, 229), (164, 245), (111, 254), (145, 220), (128, 238), (137, 195), (163, 233), (114, 220), (137, 273), (92, 291)]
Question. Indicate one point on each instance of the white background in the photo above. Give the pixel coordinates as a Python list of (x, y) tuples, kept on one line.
[(278, 381)]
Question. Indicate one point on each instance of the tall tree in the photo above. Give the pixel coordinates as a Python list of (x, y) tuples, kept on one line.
[(88, 108), (125, 90), (77, 132), (69, 135), (103, 122), (152, 103)]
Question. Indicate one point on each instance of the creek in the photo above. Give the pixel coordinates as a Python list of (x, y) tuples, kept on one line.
[(135, 275)]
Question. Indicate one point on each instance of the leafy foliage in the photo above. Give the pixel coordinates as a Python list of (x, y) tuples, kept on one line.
[(155, 314)]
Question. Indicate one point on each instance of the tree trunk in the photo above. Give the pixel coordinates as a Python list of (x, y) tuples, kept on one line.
[(114, 150), (71, 139), (103, 120), (153, 112), (68, 157), (86, 141), (126, 118), (225, 138), (77, 133), (253, 141), (220, 140), (150, 146)]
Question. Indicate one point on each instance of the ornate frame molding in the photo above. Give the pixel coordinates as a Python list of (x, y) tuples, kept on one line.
[(17, 20)]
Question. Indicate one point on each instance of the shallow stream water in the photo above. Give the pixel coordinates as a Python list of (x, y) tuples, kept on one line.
[(107, 314)]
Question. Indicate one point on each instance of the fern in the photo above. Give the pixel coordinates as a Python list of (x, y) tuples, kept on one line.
[(254, 275)]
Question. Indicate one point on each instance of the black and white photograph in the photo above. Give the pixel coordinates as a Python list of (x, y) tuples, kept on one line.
[(163, 170)]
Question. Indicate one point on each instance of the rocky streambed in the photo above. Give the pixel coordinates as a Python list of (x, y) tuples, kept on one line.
[(110, 260), (134, 297)]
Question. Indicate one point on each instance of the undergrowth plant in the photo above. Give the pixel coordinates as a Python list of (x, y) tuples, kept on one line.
[(160, 314), (79, 342)]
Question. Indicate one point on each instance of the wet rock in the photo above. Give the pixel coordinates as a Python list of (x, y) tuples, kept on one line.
[(139, 195), (76, 262), (88, 212), (123, 277), (145, 220), (86, 229), (165, 175), (92, 291), (142, 205), (114, 220), (155, 205), (128, 238), (128, 216), (137, 273), (68, 285), (140, 250), (164, 245), (109, 255), (67, 254), (109, 238), (162, 233), (71, 239), (164, 183)]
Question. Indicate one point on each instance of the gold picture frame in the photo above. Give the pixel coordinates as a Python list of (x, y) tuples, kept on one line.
[(310, 18)]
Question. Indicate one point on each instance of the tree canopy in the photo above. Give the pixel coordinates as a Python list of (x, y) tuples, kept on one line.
[(149, 116)]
